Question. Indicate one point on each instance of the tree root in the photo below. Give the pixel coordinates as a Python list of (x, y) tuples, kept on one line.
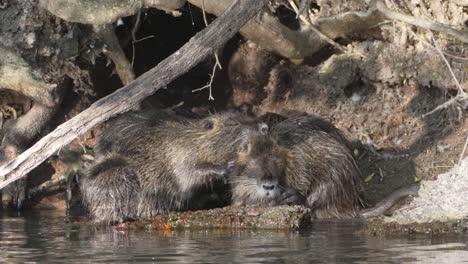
[(268, 32), (16, 74), (101, 12), (18, 133), (123, 67)]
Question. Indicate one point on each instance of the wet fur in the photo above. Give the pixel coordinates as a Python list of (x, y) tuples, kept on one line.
[(172, 161), (313, 165)]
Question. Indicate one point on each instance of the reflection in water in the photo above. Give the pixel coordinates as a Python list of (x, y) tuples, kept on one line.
[(45, 237)]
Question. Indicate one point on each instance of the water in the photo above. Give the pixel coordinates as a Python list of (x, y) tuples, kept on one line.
[(46, 238)]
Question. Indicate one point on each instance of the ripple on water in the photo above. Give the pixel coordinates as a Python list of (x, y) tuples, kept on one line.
[(45, 237)]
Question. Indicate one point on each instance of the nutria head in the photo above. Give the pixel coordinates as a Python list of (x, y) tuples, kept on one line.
[(216, 138), (259, 177)]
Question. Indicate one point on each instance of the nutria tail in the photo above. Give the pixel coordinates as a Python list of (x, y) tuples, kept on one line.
[(110, 190), (389, 201)]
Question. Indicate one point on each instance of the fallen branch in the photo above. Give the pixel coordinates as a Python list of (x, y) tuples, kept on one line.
[(198, 48)]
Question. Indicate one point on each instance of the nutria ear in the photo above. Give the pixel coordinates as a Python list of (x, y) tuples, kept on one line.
[(207, 124), (244, 147), (272, 118)]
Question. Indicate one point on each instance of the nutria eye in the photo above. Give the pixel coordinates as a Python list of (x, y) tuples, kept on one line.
[(208, 124), (263, 128), (231, 122)]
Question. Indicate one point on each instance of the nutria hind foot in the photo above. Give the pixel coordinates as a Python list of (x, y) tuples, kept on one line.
[(110, 190)]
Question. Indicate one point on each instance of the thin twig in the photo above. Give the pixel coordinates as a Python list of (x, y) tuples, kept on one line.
[(209, 85), (463, 151), (461, 94), (144, 38), (457, 83), (446, 104), (134, 31), (217, 63), (457, 57)]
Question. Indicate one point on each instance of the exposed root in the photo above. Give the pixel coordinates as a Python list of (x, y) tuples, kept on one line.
[(46, 186), (101, 12), (267, 31), (18, 132), (17, 135), (122, 66), (16, 74), (308, 22)]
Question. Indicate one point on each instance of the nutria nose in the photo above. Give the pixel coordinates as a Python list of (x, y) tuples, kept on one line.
[(268, 187)]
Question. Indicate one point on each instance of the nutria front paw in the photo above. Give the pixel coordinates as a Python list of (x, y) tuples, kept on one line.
[(290, 197)]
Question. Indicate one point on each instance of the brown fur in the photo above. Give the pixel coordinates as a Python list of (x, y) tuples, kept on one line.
[(248, 72), (166, 162), (308, 162)]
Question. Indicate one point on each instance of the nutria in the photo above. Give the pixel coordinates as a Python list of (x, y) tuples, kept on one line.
[(162, 165), (248, 71), (305, 161)]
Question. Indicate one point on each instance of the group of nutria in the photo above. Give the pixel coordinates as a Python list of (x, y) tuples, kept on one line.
[(148, 162)]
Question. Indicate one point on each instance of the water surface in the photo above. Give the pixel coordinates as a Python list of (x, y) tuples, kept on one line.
[(45, 237)]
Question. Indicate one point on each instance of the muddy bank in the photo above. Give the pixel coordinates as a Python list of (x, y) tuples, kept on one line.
[(439, 208)]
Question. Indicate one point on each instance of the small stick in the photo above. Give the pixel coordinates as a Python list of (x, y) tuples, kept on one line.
[(457, 83), (134, 31), (461, 95), (217, 63), (463, 151)]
